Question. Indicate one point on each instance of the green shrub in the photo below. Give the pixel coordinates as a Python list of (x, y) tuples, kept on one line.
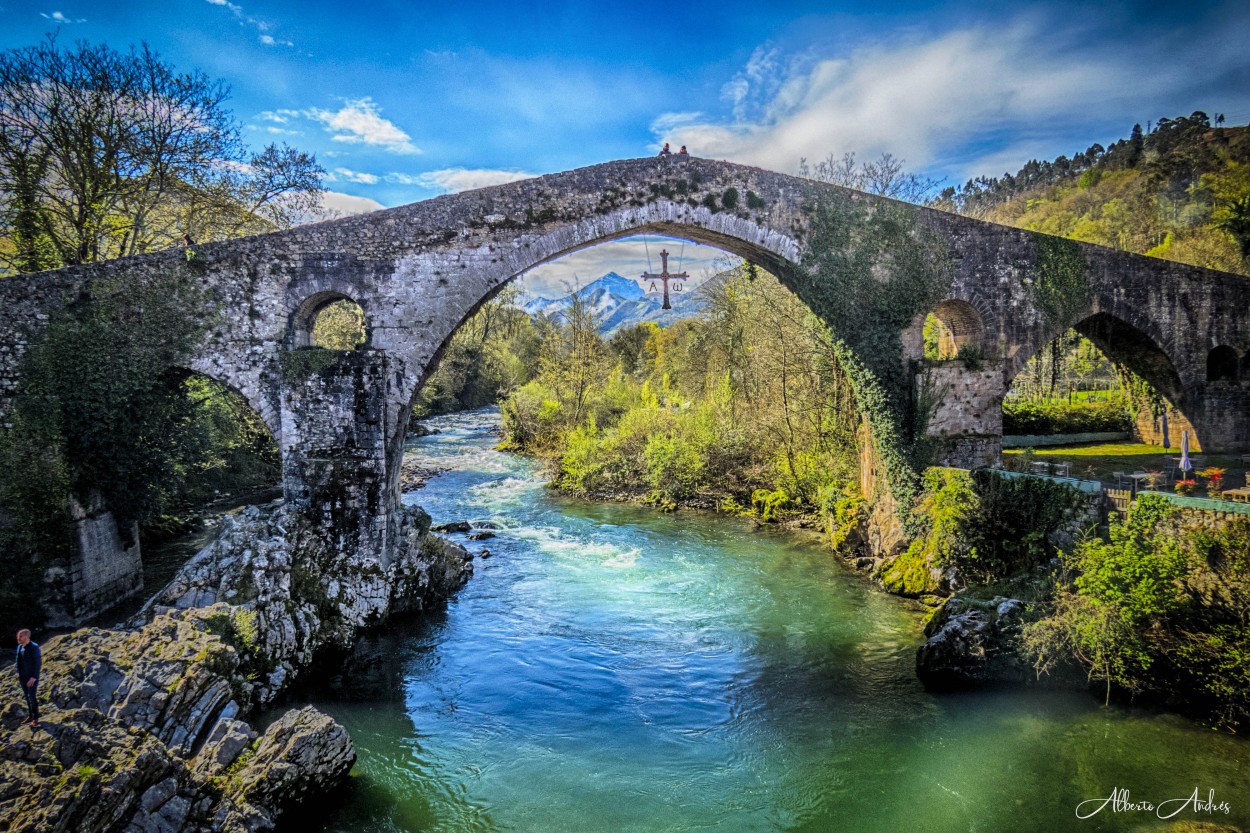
[(910, 574), (1116, 590), (769, 504), (844, 510), (1158, 608), (1011, 527), (1021, 416), (582, 463), (674, 468)]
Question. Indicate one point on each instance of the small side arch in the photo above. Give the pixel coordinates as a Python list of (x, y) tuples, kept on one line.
[(304, 318), (957, 325)]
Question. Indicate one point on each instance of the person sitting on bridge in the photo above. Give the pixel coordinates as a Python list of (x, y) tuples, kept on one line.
[(665, 151)]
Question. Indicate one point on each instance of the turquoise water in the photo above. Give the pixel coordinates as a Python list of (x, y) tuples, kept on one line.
[(610, 668)]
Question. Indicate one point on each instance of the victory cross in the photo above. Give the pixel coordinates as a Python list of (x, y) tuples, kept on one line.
[(665, 277)]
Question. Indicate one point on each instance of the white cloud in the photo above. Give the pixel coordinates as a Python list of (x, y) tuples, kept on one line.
[(334, 204), (454, 180), (279, 116), (345, 204), (59, 17), (247, 20), (926, 99), (404, 179), (348, 175), (238, 10), (359, 121)]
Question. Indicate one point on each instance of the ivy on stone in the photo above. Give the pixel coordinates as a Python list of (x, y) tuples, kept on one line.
[(869, 270), (98, 417), (1060, 286)]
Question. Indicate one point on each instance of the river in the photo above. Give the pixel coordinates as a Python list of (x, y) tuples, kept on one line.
[(611, 668)]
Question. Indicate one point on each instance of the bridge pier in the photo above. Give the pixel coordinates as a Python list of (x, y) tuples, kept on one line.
[(962, 409), (1220, 412), (342, 435)]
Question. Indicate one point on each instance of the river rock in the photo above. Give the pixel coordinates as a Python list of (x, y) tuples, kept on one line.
[(480, 535), (454, 526), (413, 476), (972, 643), (286, 608)]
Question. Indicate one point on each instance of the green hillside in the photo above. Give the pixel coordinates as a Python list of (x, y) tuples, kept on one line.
[(1180, 191)]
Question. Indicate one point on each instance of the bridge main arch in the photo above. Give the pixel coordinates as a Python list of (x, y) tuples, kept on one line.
[(746, 240)]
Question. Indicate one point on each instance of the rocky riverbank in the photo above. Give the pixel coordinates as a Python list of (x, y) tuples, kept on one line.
[(144, 727)]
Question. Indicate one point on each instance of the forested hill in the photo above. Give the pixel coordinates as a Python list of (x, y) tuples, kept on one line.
[(1180, 191)]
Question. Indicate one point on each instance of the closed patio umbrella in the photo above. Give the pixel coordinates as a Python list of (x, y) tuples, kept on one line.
[(1186, 466), (1167, 435)]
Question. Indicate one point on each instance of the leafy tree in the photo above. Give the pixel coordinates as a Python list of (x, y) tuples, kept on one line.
[(1237, 223), (1116, 592), (492, 354), (744, 399), (340, 325)]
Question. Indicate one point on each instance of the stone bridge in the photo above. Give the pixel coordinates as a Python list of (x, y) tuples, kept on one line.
[(420, 270)]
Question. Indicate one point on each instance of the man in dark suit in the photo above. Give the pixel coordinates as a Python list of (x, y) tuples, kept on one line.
[(29, 664)]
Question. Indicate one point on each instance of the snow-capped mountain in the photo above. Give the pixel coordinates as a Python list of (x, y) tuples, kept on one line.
[(620, 302)]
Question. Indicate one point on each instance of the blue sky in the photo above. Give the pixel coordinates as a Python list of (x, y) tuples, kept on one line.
[(406, 100)]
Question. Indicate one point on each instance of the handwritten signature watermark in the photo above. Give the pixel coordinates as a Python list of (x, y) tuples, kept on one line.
[(1121, 802)]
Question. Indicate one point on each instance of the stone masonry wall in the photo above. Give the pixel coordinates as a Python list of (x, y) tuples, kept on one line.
[(967, 411), (1149, 429)]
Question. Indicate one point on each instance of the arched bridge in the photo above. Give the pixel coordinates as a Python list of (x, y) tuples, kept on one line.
[(871, 267)]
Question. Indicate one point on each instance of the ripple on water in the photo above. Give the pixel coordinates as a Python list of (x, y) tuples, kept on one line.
[(616, 670)]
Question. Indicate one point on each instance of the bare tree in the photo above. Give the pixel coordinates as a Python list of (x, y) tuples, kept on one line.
[(885, 176), (105, 153)]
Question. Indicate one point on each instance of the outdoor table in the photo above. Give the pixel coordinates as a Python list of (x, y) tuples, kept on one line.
[(1041, 467), (1241, 495)]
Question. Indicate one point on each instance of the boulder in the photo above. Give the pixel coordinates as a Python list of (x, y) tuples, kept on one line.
[(972, 643), (302, 754)]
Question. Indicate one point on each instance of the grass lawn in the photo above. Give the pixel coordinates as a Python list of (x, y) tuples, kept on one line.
[(1098, 460)]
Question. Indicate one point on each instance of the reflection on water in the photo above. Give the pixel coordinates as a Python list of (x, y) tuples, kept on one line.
[(614, 669)]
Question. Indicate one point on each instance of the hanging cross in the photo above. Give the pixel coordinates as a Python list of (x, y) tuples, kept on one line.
[(665, 277)]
